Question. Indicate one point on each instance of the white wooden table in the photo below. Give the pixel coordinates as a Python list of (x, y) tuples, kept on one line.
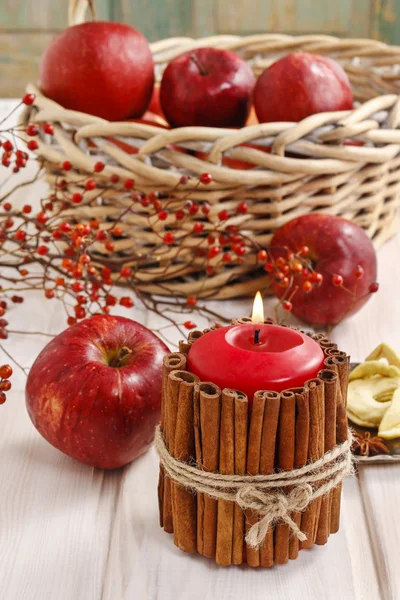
[(70, 532)]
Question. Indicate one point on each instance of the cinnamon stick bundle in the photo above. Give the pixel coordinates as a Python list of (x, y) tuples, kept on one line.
[(310, 517), (267, 461), (171, 362), (241, 433), (286, 455), (232, 442), (302, 434), (207, 418), (332, 388)]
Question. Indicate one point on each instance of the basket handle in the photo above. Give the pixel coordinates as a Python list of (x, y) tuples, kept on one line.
[(77, 11)]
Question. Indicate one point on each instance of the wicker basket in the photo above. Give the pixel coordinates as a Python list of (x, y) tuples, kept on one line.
[(342, 163)]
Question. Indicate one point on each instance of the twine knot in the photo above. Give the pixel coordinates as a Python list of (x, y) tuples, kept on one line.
[(273, 507), (265, 494)]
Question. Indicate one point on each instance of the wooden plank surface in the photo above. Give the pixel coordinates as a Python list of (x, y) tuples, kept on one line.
[(69, 532)]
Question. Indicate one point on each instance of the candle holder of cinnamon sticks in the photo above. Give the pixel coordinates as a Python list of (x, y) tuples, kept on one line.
[(215, 431)]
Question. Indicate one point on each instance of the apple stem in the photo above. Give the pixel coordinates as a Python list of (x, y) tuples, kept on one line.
[(198, 64), (120, 359)]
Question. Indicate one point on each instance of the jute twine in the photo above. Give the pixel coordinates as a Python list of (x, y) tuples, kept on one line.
[(263, 494)]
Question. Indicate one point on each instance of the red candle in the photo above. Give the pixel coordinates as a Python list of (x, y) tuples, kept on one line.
[(255, 356)]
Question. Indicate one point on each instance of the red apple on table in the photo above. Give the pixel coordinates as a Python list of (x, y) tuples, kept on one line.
[(94, 391), (336, 246), (207, 87), (104, 69), (299, 85)]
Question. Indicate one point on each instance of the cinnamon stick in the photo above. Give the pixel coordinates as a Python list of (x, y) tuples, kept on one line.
[(267, 461), (342, 368), (184, 501), (310, 517), (332, 388), (286, 455), (224, 549), (302, 433), (241, 432), (253, 466), (171, 362), (207, 435)]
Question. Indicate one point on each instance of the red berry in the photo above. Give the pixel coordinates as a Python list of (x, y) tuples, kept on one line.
[(42, 218), (111, 300), (99, 167), (223, 239), (7, 146), (213, 251), (226, 257), (304, 250), (262, 255), (48, 128), (191, 301), (287, 305), (238, 249), (223, 215), (49, 294), (5, 372), (42, 250), (117, 232), (5, 161), (101, 235), (81, 300), (169, 238), (114, 178), (316, 277), (297, 267), (242, 208), (85, 259), (126, 302), (106, 273), (27, 209), (358, 272), (198, 228), (129, 184), (28, 99), (3, 397), (71, 321), (20, 235), (269, 267), (184, 179), (337, 280), (280, 261), (32, 145), (194, 209), (32, 130), (189, 325), (90, 185), (3, 334), (126, 272), (179, 215), (94, 224), (60, 281), (109, 246), (67, 166), (307, 286), (77, 286), (5, 386), (206, 178), (205, 209), (80, 312), (374, 287), (77, 198), (162, 215)]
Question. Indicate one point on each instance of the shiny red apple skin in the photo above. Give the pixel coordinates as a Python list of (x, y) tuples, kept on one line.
[(103, 69), (207, 87), (299, 85), (336, 246), (100, 415)]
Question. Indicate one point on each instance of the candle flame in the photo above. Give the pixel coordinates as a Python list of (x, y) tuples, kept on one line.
[(258, 309)]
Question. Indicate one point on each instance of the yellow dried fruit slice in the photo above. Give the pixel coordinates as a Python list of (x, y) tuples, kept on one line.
[(368, 399), (374, 368), (390, 424), (385, 351)]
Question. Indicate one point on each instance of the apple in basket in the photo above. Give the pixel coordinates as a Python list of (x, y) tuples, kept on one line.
[(94, 392), (104, 69), (207, 87), (343, 262), (299, 85)]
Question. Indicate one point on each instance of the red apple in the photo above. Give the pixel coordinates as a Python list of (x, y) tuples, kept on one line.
[(104, 69), (207, 87), (336, 246), (299, 85), (94, 391)]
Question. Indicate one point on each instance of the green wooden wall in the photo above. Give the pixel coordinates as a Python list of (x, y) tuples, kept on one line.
[(27, 26)]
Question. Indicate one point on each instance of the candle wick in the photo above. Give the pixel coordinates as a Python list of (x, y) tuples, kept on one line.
[(257, 336)]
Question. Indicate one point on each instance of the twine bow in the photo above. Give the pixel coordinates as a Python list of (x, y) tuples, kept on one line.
[(264, 494), (275, 506)]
